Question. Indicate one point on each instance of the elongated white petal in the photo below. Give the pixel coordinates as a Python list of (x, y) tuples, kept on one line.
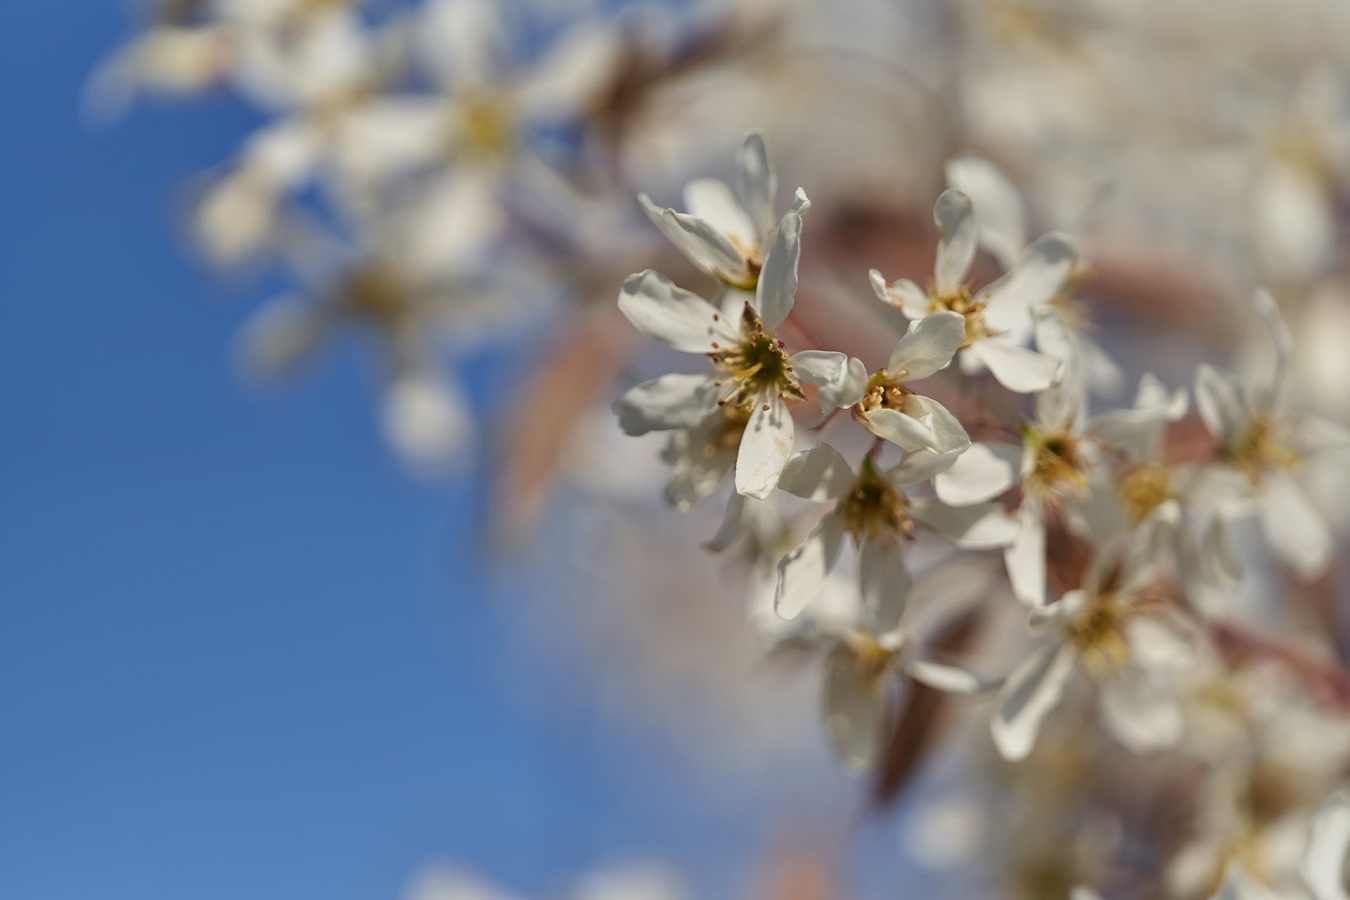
[(704, 245), (956, 240), (904, 295), (1295, 529), (1030, 693), (765, 448), (777, 288), (1219, 555), (1278, 330), (900, 429), (947, 678), (1219, 398), (842, 379), (920, 465), (1039, 276), (1025, 558), (982, 526), (885, 582), (1018, 369), (282, 334), (757, 183), (949, 436), (852, 707), (982, 472), (1139, 710), (711, 200), (818, 474), (733, 521), (700, 458), (569, 77), (928, 346), (802, 573), (672, 315), (670, 401), (999, 216), (1324, 859), (1316, 434)]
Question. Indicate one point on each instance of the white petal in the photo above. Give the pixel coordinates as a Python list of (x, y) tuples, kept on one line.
[(842, 379), (1139, 711), (569, 77), (283, 333), (885, 582), (1220, 556), (462, 41), (1018, 369), (982, 526), (1030, 693), (1324, 859), (997, 206), (672, 315), (711, 200), (981, 473), (904, 295), (920, 465), (704, 245), (928, 346), (899, 428), (1278, 330), (765, 448), (945, 678), (1026, 557), (733, 522), (1219, 397), (696, 472), (1295, 529), (671, 401), (852, 706), (1316, 434), (956, 240), (818, 474), (757, 183), (1039, 276), (802, 573), (427, 421), (949, 435), (777, 288)]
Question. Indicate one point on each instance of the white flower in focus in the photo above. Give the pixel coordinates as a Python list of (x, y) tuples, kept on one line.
[(723, 236), (998, 318), (753, 377)]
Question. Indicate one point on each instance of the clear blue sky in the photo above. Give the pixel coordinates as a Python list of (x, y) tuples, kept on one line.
[(241, 654)]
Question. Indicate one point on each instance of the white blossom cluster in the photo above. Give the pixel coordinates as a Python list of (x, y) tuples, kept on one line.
[(431, 174)]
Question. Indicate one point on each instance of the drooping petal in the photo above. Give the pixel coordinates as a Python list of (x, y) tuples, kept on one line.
[(899, 428), (928, 346), (1019, 369), (733, 522), (1032, 690), (948, 433), (704, 245), (802, 573), (670, 401), (956, 240), (1219, 398), (1295, 529), (672, 315), (777, 288), (982, 526), (852, 708), (842, 379), (757, 183), (982, 472), (1025, 558), (711, 200), (999, 216), (818, 474), (765, 448), (885, 582), (904, 295)]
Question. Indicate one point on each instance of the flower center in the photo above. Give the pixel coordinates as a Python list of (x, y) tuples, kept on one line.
[(757, 366), (486, 126), (375, 293), (1097, 634), (1144, 490), (1058, 463), (1260, 448), (874, 508), (884, 391), (748, 278), (960, 300)]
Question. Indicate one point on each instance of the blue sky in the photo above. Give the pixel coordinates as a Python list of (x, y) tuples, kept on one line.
[(242, 655)]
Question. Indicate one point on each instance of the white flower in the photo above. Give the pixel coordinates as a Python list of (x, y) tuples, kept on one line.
[(892, 411), (723, 236), (998, 317), (1261, 446), (753, 374), (871, 507)]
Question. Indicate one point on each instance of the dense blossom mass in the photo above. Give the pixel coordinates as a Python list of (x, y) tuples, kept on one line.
[(961, 499)]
